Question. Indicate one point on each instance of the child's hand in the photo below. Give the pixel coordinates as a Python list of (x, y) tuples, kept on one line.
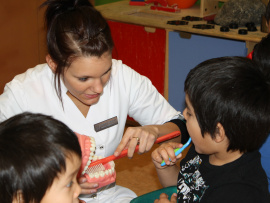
[(163, 198), (164, 152)]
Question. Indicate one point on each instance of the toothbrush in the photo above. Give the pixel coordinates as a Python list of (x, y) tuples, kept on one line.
[(98, 164), (178, 151)]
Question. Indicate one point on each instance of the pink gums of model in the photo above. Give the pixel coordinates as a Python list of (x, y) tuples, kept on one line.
[(102, 177)]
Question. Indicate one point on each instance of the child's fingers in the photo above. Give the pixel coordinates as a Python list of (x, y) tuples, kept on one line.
[(166, 151), (162, 198), (174, 198)]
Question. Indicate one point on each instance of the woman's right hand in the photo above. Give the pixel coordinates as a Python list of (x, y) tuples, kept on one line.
[(87, 188), (164, 152)]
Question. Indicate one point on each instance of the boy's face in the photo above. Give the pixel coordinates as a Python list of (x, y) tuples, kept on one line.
[(203, 145), (65, 188)]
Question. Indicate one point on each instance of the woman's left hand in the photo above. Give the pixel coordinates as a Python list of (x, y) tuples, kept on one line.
[(145, 136)]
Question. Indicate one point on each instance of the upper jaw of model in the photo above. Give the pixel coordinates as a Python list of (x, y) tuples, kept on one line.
[(105, 174)]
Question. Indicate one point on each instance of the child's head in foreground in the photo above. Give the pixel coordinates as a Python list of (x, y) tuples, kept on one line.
[(228, 95), (39, 160)]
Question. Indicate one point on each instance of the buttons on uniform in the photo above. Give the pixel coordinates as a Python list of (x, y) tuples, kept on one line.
[(101, 147)]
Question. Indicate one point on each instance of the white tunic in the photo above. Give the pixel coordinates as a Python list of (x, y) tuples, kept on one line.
[(126, 93)]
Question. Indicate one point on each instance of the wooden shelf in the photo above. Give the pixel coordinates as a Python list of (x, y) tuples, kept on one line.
[(142, 15)]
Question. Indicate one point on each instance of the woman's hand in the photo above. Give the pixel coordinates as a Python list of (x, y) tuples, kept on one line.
[(163, 198), (145, 136), (164, 152), (87, 188)]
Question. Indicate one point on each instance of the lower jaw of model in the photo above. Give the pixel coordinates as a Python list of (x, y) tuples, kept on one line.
[(104, 174)]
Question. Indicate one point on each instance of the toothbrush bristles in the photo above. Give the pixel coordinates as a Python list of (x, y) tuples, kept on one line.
[(95, 169)]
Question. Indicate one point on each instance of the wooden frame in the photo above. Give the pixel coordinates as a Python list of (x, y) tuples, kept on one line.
[(208, 7)]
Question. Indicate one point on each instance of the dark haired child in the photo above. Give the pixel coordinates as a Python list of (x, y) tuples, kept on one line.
[(39, 160), (227, 116), (261, 55)]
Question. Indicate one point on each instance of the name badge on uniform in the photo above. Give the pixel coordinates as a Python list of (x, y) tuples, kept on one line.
[(106, 124)]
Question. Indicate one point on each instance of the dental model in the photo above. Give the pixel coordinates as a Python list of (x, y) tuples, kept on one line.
[(105, 175)]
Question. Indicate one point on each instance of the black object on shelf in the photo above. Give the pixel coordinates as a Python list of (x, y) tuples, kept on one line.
[(212, 22), (224, 29), (177, 22), (233, 26), (192, 18), (242, 32), (204, 26), (250, 24), (252, 29)]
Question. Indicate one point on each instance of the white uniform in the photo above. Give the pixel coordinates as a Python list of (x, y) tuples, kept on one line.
[(126, 93)]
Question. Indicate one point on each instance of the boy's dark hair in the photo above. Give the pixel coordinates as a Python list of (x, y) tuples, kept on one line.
[(261, 54), (267, 13), (74, 29), (33, 151), (234, 92)]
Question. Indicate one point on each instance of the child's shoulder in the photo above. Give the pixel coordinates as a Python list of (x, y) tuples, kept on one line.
[(244, 179)]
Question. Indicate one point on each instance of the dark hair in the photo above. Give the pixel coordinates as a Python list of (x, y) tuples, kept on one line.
[(33, 151), (232, 91), (261, 54), (267, 13), (74, 29)]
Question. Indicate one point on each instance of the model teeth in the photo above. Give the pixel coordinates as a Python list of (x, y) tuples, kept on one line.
[(91, 148), (91, 175), (98, 171), (102, 174), (96, 175), (112, 164)]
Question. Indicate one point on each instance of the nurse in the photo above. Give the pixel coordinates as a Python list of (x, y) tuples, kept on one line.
[(82, 86)]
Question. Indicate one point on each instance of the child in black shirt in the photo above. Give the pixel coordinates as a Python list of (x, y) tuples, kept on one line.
[(227, 116)]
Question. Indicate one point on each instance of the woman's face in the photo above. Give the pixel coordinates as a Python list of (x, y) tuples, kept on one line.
[(87, 76)]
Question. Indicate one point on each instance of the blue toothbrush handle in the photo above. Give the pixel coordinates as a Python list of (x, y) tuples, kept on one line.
[(178, 151)]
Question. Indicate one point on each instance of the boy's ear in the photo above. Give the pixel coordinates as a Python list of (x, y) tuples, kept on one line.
[(51, 63), (220, 133)]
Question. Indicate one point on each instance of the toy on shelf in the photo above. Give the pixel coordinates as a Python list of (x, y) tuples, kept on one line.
[(182, 3), (164, 6), (207, 8)]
